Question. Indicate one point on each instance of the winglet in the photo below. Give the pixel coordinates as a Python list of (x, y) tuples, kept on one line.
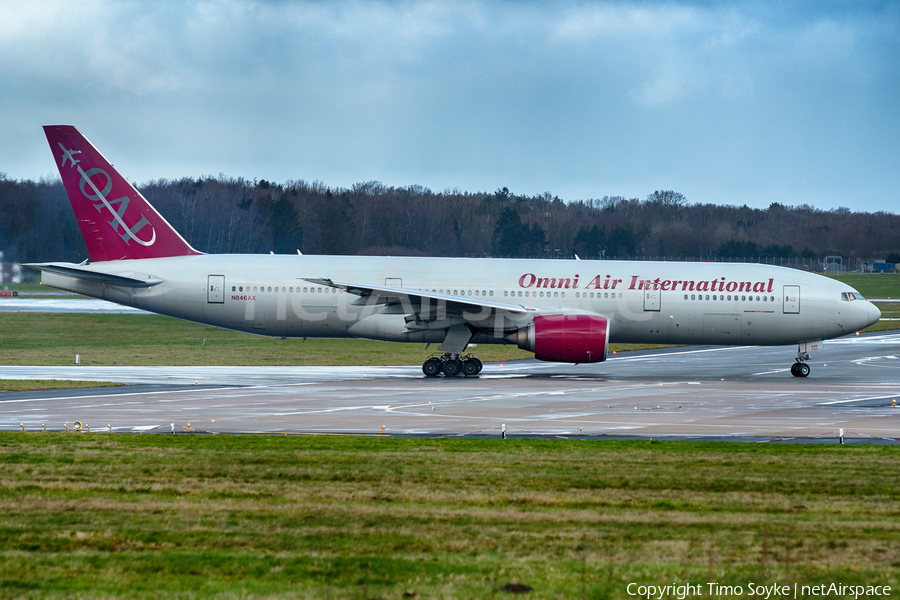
[(116, 221)]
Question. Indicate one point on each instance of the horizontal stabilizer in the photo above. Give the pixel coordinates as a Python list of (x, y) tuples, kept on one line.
[(71, 270)]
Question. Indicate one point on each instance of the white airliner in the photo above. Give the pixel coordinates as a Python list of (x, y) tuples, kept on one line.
[(562, 310)]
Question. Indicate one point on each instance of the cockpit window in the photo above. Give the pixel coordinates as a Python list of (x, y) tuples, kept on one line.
[(845, 296), (851, 296), (859, 296)]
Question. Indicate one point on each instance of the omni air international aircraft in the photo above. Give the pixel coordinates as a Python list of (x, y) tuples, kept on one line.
[(562, 310)]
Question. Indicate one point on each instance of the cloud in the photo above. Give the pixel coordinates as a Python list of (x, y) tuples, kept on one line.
[(581, 98)]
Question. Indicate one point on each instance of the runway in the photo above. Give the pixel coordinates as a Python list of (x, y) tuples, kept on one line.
[(61, 303), (692, 393)]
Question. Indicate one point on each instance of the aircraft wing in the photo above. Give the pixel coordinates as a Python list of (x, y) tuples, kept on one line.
[(371, 294), (76, 271)]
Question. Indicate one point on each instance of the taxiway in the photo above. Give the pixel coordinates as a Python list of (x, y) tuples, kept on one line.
[(695, 392)]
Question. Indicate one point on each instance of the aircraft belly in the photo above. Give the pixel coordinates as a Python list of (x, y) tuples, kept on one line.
[(722, 328), (321, 320)]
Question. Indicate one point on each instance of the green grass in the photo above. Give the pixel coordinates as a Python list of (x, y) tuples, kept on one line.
[(55, 339), (26, 287), (871, 285), (195, 516), (27, 385)]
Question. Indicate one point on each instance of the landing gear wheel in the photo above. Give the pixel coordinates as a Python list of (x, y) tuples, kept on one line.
[(452, 367), (432, 367), (800, 369), (471, 367), (480, 364)]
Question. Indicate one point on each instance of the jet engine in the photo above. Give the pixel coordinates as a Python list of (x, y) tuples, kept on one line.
[(566, 338)]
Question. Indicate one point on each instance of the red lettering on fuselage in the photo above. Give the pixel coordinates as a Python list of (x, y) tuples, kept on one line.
[(529, 280)]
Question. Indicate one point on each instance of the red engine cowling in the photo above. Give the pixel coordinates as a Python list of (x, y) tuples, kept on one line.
[(567, 338)]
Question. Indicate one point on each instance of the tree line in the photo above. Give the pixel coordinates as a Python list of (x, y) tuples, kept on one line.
[(235, 215)]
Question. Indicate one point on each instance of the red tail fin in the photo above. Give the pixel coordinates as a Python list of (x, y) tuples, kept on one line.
[(116, 221)]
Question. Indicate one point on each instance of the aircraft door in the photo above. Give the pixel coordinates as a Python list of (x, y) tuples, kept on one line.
[(791, 299), (215, 289), (651, 299)]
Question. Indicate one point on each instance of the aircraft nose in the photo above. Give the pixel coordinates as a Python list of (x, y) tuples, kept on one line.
[(873, 314)]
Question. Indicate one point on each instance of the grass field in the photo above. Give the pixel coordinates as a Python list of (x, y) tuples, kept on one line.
[(21, 385), (194, 516), (25, 287), (870, 285)]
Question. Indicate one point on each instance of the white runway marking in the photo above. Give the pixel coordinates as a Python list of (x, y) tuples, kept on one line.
[(888, 398)]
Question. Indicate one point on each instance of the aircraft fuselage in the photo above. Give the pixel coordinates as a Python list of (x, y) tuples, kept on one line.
[(646, 302)]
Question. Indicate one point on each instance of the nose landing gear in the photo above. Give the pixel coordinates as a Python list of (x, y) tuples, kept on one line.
[(452, 365)]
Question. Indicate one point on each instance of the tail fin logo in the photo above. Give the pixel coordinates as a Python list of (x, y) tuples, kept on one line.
[(69, 155), (94, 194)]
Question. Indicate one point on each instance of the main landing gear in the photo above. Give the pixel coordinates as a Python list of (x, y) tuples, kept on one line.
[(800, 368), (452, 365)]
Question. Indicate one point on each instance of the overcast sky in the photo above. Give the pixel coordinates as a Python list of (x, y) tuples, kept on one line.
[(726, 102)]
